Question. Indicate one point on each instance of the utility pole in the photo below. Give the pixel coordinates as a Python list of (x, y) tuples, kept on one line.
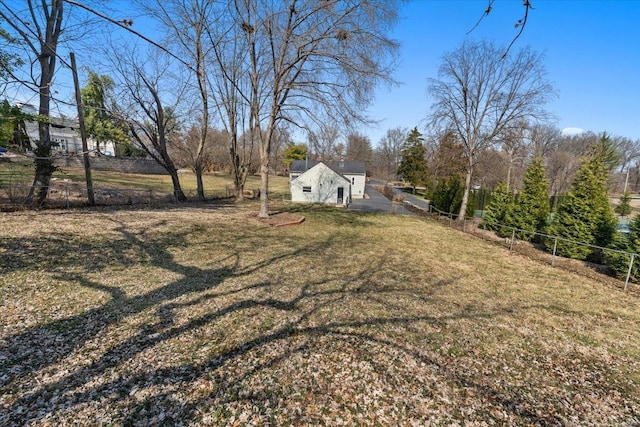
[(626, 182), (83, 133)]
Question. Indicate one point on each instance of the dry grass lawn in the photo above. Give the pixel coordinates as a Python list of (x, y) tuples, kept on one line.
[(68, 184), (205, 316)]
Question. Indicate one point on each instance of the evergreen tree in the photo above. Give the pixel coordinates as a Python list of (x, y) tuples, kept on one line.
[(585, 215), (624, 207), (447, 196), (498, 208), (413, 166), (531, 209), (619, 262), (607, 150)]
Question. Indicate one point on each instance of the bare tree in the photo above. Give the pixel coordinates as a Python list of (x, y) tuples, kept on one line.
[(187, 22), (514, 147), (389, 152), (219, 146), (310, 56), (323, 141), (542, 139), (359, 148), (562, 162), (489, 170), (230, 88), (186, 152), (281, 140), (40, 28), (150, 119), (447, 159), (629, 151), (479, 94)]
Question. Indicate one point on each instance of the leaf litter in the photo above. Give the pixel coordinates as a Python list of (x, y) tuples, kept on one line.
[(206, 317)]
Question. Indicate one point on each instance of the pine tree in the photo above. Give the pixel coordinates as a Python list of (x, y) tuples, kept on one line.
[(447, 195), (585, 215), (531, 209), (498, 208), (619, 262), (624, 207), (413, 166)]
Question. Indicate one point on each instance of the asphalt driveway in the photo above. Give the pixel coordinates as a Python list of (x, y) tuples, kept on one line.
[(377, 202), (410, 198)]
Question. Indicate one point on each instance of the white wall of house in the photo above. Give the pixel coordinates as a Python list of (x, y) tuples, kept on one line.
[(320, 184), (358, 182), (68, 139)]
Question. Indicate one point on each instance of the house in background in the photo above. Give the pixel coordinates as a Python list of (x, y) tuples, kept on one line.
[(65, 134), (326, 182)]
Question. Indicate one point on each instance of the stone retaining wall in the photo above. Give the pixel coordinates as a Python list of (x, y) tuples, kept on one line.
[(117, 164)]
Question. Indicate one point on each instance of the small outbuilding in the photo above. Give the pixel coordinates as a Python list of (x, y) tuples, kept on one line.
[(326, 182)]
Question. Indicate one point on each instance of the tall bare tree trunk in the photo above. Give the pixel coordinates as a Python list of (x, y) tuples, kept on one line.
[(47, 62), (509, 167), (204, 127), (177, 188), (465, 194), (264, 184)]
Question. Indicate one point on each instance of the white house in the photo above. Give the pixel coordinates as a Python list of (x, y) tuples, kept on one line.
[(326, 182), (65, 133)]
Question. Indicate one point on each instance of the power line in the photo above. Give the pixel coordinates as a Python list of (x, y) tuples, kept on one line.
[(127, 26)]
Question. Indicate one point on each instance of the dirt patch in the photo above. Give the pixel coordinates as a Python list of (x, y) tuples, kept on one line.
[(281, 219)]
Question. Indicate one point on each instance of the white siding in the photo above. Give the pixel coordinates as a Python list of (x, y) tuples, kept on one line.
[(323, 184), (358, 182), (68, 140)]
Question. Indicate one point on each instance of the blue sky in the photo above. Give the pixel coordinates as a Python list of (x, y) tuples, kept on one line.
[(592, 55), (591, 48)]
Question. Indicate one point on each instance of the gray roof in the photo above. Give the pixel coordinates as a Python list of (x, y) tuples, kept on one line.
[(341, 167)]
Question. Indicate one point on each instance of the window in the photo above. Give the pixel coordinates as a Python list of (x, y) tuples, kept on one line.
[(306, 189), (353, 181)]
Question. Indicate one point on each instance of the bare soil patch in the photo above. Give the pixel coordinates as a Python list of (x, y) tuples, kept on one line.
[(282, 219)]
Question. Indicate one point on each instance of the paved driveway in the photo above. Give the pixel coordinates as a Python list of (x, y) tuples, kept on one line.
[(377, 203), (416, 201)]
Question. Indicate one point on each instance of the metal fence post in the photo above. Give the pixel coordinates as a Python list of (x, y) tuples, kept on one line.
[(626, 282), (555, 245), (513, 237)]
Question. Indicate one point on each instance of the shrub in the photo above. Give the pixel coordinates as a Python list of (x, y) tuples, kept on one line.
[(447, 196), (497, 210), (585, 215), (531, 208), (619, 262)]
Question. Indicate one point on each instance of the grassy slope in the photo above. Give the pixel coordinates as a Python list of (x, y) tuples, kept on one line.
[(20, 172), (207, 316)]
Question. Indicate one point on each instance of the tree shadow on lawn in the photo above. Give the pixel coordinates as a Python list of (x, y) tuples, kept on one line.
[(333, 215), (30, 353), (43, 345)]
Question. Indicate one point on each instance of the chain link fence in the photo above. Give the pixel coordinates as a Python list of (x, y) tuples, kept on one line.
[(509, 238), (14, 195)]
